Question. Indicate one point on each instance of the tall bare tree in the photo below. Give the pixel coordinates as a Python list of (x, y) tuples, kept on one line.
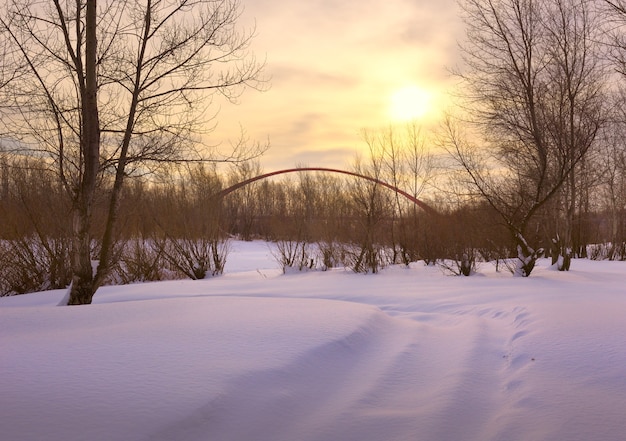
[(106, 89), (615, 155), (533, 87), (575, 103)]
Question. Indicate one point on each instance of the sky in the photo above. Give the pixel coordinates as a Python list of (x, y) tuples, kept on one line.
[(337, 68)]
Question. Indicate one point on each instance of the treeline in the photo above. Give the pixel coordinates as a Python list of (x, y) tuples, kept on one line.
[(97, 160), (173, 226)]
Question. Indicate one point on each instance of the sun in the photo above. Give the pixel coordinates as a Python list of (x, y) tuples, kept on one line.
[(409, 103)]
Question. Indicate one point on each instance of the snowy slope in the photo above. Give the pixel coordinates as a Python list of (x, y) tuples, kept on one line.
[(408, 354)]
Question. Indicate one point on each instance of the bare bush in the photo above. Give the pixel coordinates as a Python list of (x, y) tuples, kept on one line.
[(607, 251), (293, 254), (463, 263), (367, 257), (140, 261), (31, 264), (196, 258), (331, 254)]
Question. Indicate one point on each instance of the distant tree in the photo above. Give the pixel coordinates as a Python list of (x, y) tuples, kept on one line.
[(104, 90), (407, 162), (370, 202), (611, 194), (533, 87), (241, 208), (34, 239), (614, 157)]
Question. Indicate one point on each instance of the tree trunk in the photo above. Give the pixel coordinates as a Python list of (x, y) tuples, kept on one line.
[(83, 286), (561, 254), (526, 255), (82, 290)]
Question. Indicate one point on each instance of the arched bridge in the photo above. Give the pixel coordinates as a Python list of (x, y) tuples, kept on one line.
[(411, 198)]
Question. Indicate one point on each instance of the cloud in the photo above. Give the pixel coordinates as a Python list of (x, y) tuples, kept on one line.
[(333, 66), (283, 74), (337, 157)]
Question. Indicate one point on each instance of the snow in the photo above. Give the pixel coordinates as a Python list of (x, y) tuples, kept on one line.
[(407, 354)]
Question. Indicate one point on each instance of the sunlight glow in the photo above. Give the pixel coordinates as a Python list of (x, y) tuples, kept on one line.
[(410, 102)]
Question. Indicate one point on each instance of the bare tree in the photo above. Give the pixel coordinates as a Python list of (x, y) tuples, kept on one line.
[(611, 195), (575, 112), (370, 203), (109, 89), (615, 19), (615, 155), (533, 87), (406, 163), (242, 208)]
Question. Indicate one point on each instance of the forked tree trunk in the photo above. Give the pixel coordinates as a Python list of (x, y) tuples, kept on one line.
[(561, 254), (526, 255)]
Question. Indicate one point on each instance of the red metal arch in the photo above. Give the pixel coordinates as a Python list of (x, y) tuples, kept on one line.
[(413, 199)]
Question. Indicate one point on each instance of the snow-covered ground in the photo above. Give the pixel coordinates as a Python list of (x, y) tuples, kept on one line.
[(408, 354)]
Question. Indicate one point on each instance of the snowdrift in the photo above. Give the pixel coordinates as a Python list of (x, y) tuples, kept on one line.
[(409, 354)]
